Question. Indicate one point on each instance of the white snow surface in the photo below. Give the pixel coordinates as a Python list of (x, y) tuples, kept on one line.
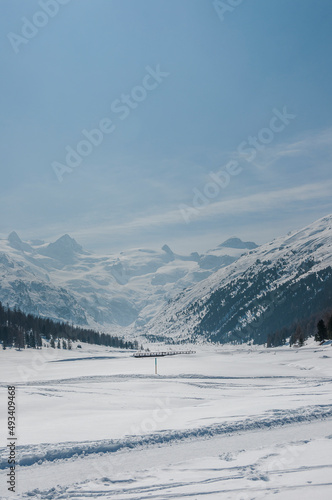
[(229, 422)]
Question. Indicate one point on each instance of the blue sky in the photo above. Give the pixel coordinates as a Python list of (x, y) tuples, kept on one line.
[(226, 79)]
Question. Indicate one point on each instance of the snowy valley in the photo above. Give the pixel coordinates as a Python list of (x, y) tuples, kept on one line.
[(233, 421), (236, 292), (62, 281)]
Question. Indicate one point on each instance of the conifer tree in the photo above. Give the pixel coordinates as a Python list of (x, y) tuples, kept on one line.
[(39, 341), (321, 334), (32, 340)]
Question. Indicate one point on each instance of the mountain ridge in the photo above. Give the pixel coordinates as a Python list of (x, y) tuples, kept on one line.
[(117, 290), (266, 289), (225, 294), (235, 242)]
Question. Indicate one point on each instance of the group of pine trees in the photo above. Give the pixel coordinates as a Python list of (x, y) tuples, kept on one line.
[(64, 344), (319, 325), (324, 332), (21, 330)]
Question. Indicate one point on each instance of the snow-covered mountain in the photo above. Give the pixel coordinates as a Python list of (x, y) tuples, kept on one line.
[(62, 281), (234, 291), (267, 289)]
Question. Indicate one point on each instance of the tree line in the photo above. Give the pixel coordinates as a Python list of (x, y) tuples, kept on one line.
[(317, 325), (21, 330)]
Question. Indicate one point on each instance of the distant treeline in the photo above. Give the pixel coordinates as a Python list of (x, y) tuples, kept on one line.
[(318, 325), (21, 330)]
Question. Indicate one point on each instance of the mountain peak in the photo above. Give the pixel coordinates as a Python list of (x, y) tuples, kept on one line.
[(14, 237), (167, 250), (64, 249), (238, 243), (68, 242), (15, 242)]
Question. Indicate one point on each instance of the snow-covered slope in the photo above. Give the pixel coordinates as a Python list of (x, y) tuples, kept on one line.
[(62, 281), (27, 285), (267, 289)]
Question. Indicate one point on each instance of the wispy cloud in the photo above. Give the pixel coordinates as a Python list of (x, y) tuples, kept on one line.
[(270, 200), (253, 195), (311, 146)]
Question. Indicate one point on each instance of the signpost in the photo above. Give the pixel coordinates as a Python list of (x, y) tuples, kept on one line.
[(160, 354)]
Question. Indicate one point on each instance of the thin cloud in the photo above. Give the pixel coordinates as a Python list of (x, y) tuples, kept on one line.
[(254, 203), (309, 146)]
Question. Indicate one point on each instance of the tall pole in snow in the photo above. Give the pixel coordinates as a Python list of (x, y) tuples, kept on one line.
[(155, 366)]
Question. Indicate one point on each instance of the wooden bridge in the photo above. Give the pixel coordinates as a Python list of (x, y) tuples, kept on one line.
[(148, 354)]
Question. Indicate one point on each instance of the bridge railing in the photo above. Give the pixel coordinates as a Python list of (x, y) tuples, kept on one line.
[(148, 354)]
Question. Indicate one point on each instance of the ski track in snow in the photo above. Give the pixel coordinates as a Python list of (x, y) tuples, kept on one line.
[(183, 376), (31, 454), (239, 475), (171, 490)]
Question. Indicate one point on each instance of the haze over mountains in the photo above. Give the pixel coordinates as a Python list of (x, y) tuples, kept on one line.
[(236, 291), (62, 281)]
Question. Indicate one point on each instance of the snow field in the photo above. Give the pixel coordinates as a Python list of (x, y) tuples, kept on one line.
[(224, 423)]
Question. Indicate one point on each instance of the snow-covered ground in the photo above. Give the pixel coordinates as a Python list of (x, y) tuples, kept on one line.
[(225, 423)]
